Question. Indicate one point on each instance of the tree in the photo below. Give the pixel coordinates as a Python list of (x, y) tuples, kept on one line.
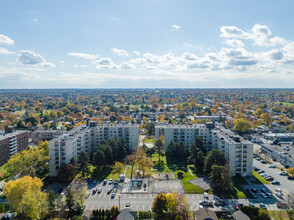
[(99, 159), (241, 125), (67, 173), (229, 123), (30, 162), (83, 162), (220, 178), (26, 198), (75, 196), (150, 127), (266, 118), (150, 151), (118, 167), (159, 205), (114, 212), (214, 157), (51, 201), (159, 149), (131, 160), (290, 172)]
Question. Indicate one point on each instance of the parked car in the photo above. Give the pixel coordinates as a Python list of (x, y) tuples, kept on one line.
[(278, 194), (283, 173), (256, 169), (94, 191), (99, 190), (290, 178), (110, 181), (104, 181), (276, 182), (262, 205), (254, 190), (114, 190), (112, 195), (116, 182), (263, 190), (263, 195), (278, 190), (108, 191), (270, 178), (251, 204), (269, 195), (272, 166), (128, 205), (263, 162), (261, 171), (205, 195)]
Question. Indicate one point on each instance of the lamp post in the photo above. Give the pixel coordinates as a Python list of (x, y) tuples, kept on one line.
[(119, 201)]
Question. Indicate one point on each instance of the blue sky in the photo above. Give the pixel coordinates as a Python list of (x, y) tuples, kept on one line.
[(146, 44)]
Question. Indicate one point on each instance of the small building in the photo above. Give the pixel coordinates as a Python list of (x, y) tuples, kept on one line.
[(127, 214), (239, 215), (205, 214)]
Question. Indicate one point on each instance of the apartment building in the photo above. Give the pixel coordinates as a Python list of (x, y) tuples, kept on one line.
[(12, 142), (46, 135), (87, 138), (238, 151)]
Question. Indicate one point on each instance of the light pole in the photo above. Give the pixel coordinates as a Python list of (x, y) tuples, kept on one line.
[(119, 201)]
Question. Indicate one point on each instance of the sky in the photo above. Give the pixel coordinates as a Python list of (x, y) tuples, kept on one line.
[(146, 44)]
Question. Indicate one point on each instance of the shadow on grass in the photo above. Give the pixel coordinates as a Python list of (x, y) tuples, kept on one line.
[(177, 164), (102, 174)]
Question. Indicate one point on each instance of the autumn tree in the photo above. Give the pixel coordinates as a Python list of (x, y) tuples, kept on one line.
[(67, 173), (118, 167), (159, 205), (290, 172), (26, 198), (241, 125)]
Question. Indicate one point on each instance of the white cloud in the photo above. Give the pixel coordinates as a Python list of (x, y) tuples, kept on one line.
[(6, 40), (275, 54), (232, 32), (104, 63), (83, 55), (28, 57), (136, 53), (36, 20), (5, 51), (125, 65), (189, 56), (119, 52), (234, 43), (260, 34), (175, 27)]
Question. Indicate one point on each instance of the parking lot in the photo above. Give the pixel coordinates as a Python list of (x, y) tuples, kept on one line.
[(285, 184), (166, 186)]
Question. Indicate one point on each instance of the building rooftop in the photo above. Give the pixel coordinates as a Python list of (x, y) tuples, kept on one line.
[(4, 135), (285, 149), (230, 135)]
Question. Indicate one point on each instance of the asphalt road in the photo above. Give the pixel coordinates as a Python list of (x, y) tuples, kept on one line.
[(286, 184)]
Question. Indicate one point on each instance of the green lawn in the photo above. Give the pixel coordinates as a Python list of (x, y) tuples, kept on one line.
[(2, 171), (150, 140), (258, 179), (238, 192), (281, 214), (189, 187), (106, 173)]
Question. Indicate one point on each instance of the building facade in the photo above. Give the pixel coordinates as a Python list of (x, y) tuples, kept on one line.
[(238, 151), (12, 142), (87, 138)]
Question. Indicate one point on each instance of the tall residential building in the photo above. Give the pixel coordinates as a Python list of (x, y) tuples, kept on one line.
[(12, 142), (87, 138), (238, 151)]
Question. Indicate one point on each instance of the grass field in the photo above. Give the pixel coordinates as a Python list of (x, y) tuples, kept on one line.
[(150, 140), (189, 187), (288, 104), (281, 215), (258, 179), (238, 192), (2, 171)]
